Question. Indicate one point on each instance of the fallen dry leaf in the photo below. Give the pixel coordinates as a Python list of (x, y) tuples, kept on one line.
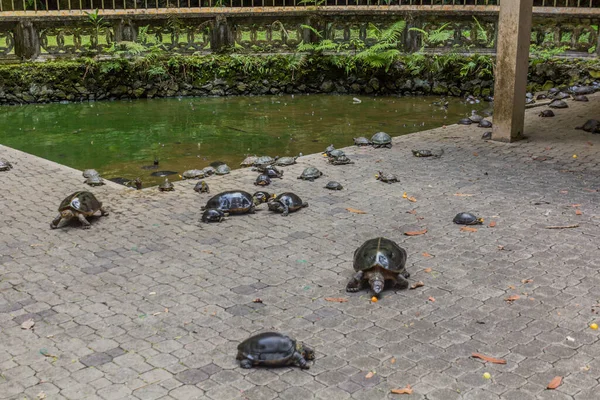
[(431, 299), (257, 300), (591, 190), (563, 227), (336, 299), (575, 205), (416, 233), (564, 191), (511, 287), (412, 211), (417, 285), (468, 229), (370, 375), (206, 251), (488, 358), (512, 298), (492, 224), (578, 212), (404, 196), (355, 211), (393, 360), (427, 255), (554, 383), (500, 247), (464, 194), (475, 154), (406, 390), (526, 280), (412, 199), (28, 324), (427, 270)]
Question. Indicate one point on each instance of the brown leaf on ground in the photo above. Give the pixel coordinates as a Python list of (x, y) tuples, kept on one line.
[(526, 280), (554, 383), (412, 199), (257, 300), (511, 287), (591, 190), (492, 224), (414, 211), (512, 298), (468, 229), (427, 270), (578, 212), (207, 251), (476, 154), (406, 390), (500, 247), (426, 255), (355, 211), (431, 299), (488, 358), (336, 299), (575, 205), (370, 375), (416, 233), (564, 191), (417, 285), (393, 360)]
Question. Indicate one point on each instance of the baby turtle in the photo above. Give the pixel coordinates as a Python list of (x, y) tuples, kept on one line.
[(285, 161), (580, 97), (376, 261), (208, 171), (381, 139), (273, 172), (558, 104), (79, 204), (467, 219), (422, 153), (546, 114), (333, 185), (222, 169), (362, 141), (248, 161), (465, 121), (286, 203), (5, 165), (341, 160), (484, 123), (90, 172), (387, 178), (310, 174), (237, 201), (193, 174), (271, 349), (202, 187), (487, 135), (213, 215), (263, 180), (166, 186), (161, 174), (591, 125), (94, 180), (541, 97)]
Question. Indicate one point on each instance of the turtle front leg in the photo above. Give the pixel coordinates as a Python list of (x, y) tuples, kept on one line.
[(103, 212), (300, 361), (245, 363), (401, 281), (56, 221), (356, 283), (286, 210), (252, 210), (84, 222)]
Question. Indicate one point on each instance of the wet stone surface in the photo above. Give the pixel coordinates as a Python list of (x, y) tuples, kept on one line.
[(151, 304)]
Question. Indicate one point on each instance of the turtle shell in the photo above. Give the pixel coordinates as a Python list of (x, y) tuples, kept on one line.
[(291, 200), (580, 97), (333, 185), (310, 173), (484, 123), (476, 118), (248, 161), (541, 97), (465, 121), (94, 180), (264, 160), (87, 173), (336, 153), (283, 161), (222, 169), (389, 178), (487, 135), (546, 113), (268, 348), (193, 174), (5, 165), (201, 187), (166, 186), (361, 141), (558, 104), (262, 180), (272, 172), (561, 96), (212, 215), (380, 252), (83, 202), (340, 160), (381, 139), (422, 153), (581, 90), (467, 219), (591, 125), (208, 171), (233, 202), (329, 149)]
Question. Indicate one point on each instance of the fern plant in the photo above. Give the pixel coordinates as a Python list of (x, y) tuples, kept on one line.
[(385, 51)]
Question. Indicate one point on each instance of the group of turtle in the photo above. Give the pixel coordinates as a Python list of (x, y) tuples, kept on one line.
[(575, 93)]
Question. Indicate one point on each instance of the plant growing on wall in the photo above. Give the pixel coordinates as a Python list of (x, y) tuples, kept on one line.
[(99, 26), (385, 51)]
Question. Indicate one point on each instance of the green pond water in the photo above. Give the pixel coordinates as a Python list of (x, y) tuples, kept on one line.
[(118, 138)]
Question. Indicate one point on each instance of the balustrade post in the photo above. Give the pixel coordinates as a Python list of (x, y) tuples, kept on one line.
[(222, 35), (125, 30), (413, 40), (27, 40), (598, 43), (317, 23)]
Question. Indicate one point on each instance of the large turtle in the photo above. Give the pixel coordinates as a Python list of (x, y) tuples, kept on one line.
[(222, 169), (193, 174), (581, 90), (285, 161), (580, 97), (5, 165), (561, 96), (271, 349), (591, 125), (335, 153), (376, 261), (208, 171), (310, 174), (286, 203), (213, 215), (237, 201), (362, 141), (94, 180), (273, 172), (484, 123), (475, 118), (79, 204), (381, 139)]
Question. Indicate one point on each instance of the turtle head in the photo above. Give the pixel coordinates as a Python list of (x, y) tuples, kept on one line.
[(275, 205), (307, 352), (261, 197), (67, 213), (377, 282), (480, 220)]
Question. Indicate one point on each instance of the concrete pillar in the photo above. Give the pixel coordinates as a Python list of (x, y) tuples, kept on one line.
[(27, 41), (222, 35), (512, 51)]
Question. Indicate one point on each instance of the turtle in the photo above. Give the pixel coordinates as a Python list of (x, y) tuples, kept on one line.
[(333, 185), (153, 166), (202, 187), (222, 169), (94, 180), (271, 349), (161, 174), (272, 172), (487, 135), (561, 96), (591, 125), (376, 261), (328, 149), (285, 161), (263, 180), (529, 100), (381, 139), (361, 141), (310, 174), (465, 121), (475, 118), (529, 95), (286, 203), (553, 91), (264, 161), (581, 90), (213, 215), (335, 153), (580, 97), (216, 164), (248, 161), (137, 182), (541, 96), (558, 104), (546, 113), (5, 165), (422, 153), (341, 160), (193, 174), (489, 99), (484, 123), (467, 219), (237, 201), (166, 186), (208, 171), (387, 178), (79, 204), (90, 172), (121, 181)]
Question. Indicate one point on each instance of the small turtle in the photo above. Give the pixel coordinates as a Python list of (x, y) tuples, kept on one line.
[(591, 125), (263, 180), (90, 172), (285, 161), (94, 180), (216, 164), (310, 174), (336, 153), (193, 174), (202, 187), (529, 95), (387, 178), (137, 182), (248, 161), (376, 261), (541, 97), (237, 201), (273, 172), (467, 219), (341, 160), (529, 100), (381, 139), (79, 204), (362, 141), (286, 203), (5, 165), (553, 91), (271, 349), (153, 166), (264, 161), (162, 174), (208, 171), (581, 90), (546, 114), (475, 118), (465, 121), (558, 104), (333, 185), (213, 215), (580, 97), (166, 186), (489, 99), (484, 123), (487, 135), (561, 96), (422, 153), (328, 150), (222, 169)]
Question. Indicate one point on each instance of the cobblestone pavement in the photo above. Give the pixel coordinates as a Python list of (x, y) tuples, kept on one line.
[(151, 304)]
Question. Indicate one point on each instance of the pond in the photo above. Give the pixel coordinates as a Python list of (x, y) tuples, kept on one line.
[(117, 138)]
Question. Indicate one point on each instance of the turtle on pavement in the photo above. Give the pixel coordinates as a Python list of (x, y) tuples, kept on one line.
[(286, 203), (475, 118), (387, 178), (484, 123), (90, 172), (79, 204), (333, 185), (362, 141), (166, 186), (487, 135), (137, 182), (5, 165), (262, 180), (580, 97), (328, 150), (558, 104), (213, 215), (193, 174), (467, 219), (285, 161), (377, 261), (427, 153), (582, 90), (310, 174), (272, 172), (237, 201), (591, 125), (248, 161), (465, 121), (264, 161), (208, 171), (541, 96), (94, 180), (340, 160), (381, 139), (271, 349), (335, 153), (222, 169), (561, 96), (546, 113), (202, 187)]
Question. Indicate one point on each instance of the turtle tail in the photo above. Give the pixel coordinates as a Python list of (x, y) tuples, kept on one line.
[(304, 204)]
